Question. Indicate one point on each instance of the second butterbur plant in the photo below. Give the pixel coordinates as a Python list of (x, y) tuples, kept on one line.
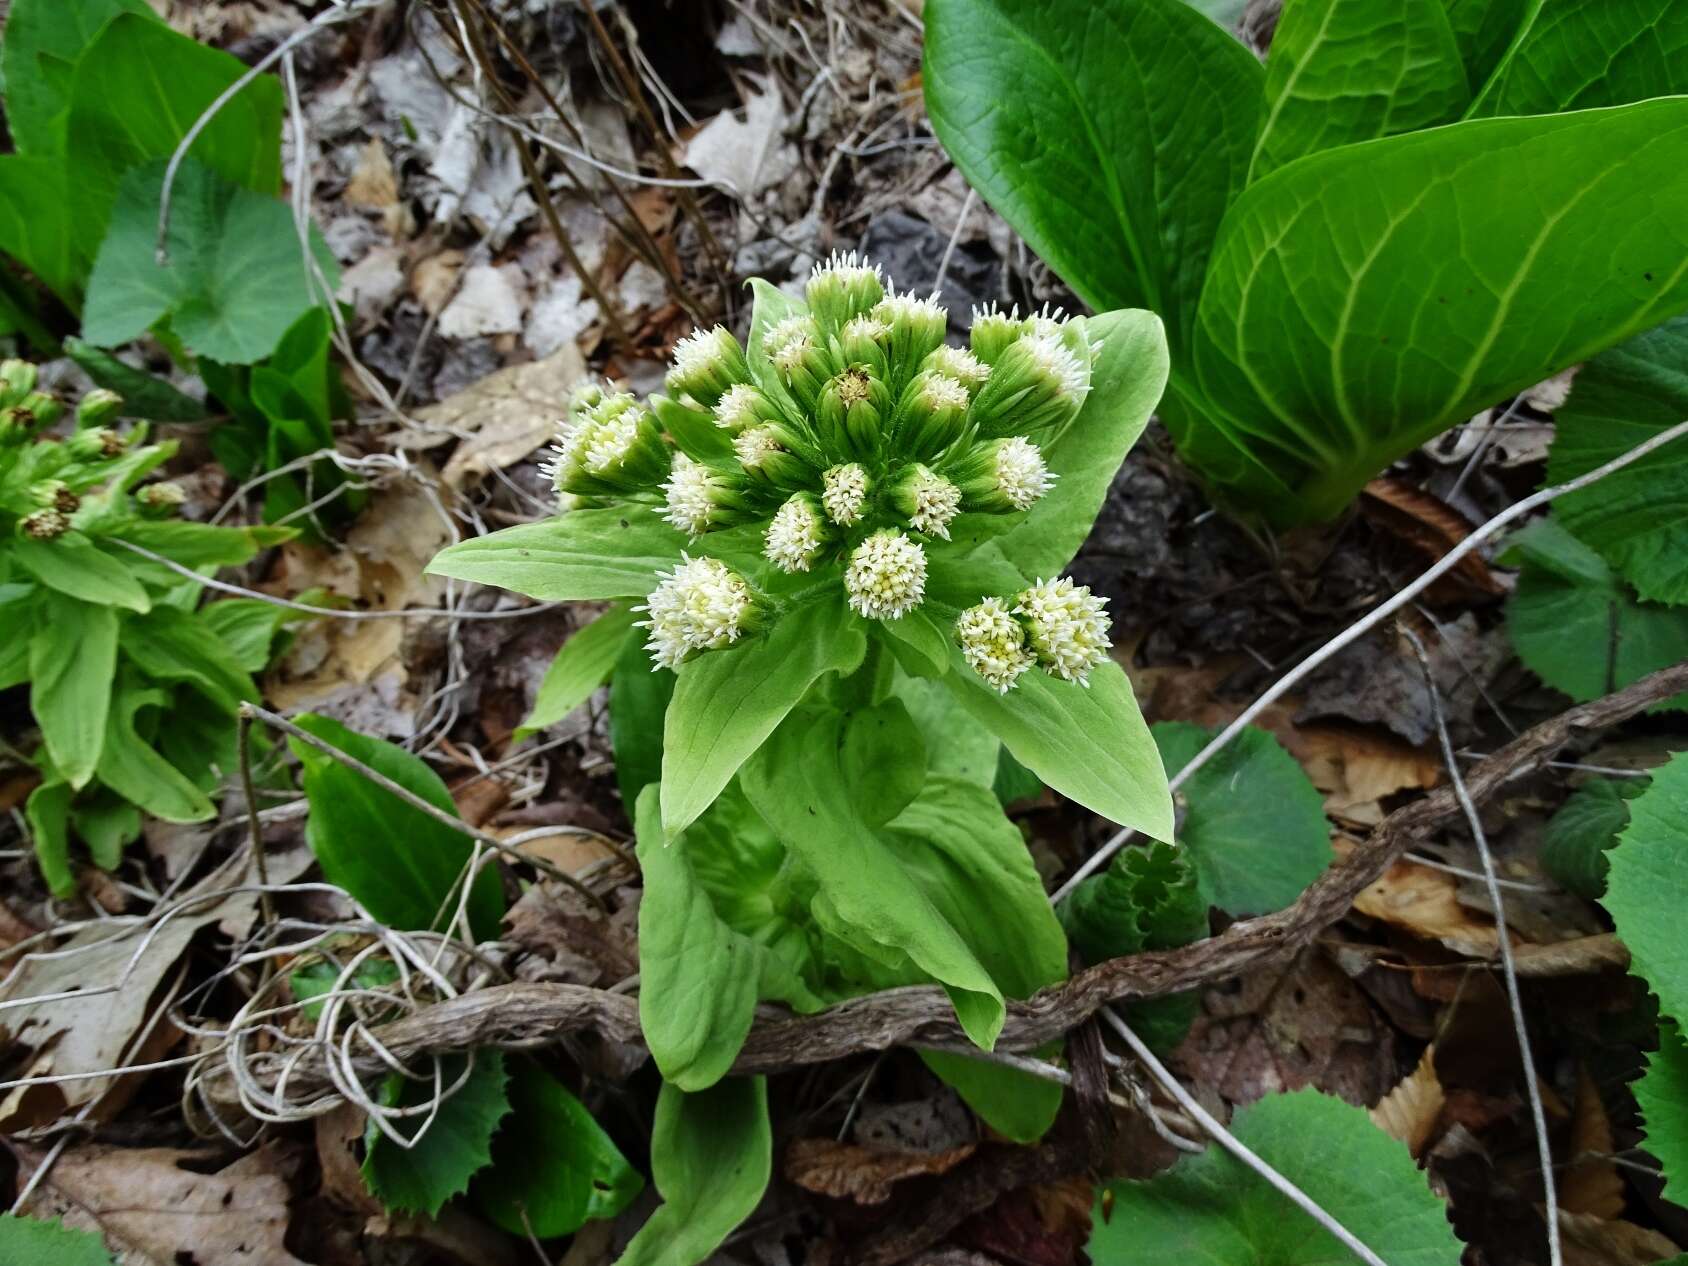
[(846, 540)]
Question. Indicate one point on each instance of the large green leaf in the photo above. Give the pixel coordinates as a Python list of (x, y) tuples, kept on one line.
[(1342, 71), (727, 701), (44, 40), (1662, 1095), (1530, 244), (137, 91), (173, 645), (712, 1152), (72, 660), (1580, 56), (40, 242), (1484, 30), (871, 895), (1213, 1208), (1088, 743), (131, 765), (1636, 518), (402, 865), (144, 395), (27, 1241), (1254, 824), (710, 951), (614, 552), (449, 1146), (580, 667), (639, 696), (553, 1168), (1579, 628), (72, 564), (235, 281), (1111, 136), (1577, 838), (1644, 886), (48, 813)]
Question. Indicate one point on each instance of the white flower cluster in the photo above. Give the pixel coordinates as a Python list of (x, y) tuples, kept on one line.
[(701, 605), (886, 578), (1055, 624)]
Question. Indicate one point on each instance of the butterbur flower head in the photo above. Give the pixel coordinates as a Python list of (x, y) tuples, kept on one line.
[(160, 500), (961, 365), (993, 331), (1040, 381), (1022, 477), (886, 578), (755, 446), (844, 492), (933, 415), (44, 525), (96, 444), (54, 494), (707, 364), (1067, 627), (97, 407), (691, 495), (742, 406), (916, 329), (795, 534), (17, 380), (702, 604), (788, 341), (843, 287), (927, 500), (609, 445), (993, 643)]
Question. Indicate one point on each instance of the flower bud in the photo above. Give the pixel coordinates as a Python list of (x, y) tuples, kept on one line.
[(610, 446), (702, 604), (743, 406), (801, 356), (931, 415), (46, 409), (707, 364), (1038, 382), (886, 578), (851, 415), (960, 364), (993, 331), (44, 525), (160, 500), (844, 493), (843, 288), (54, 494), (796, 534), (698, 498), (97, 407), (862, 344), (17, 380), (1002, 476), (993, 643), (926, 499), (1067, 627), (96, 444), (764, 453), (916, 328)]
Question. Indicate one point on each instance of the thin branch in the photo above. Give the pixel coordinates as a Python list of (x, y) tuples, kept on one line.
[(1509, 971), (1377, 616)]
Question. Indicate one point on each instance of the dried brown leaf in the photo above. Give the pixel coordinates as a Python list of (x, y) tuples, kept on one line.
[(865, 1175), (1591, 1183), (1409, 1112), (1432, 527)]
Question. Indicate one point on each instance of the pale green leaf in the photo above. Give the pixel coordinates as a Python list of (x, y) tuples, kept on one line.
[(712, 1153), (1662, 1095), (450, 1146), (48, 813), (133, 767), (72, 564), (614, 552), (580, 667), (44, 40), (1636, 518), (728, 701), (72, 660), (883, 760), (34, 1242), (639, 696), (1213, 1208), (172, 645), (553, 1168), (1531, 244), (42, 243), (1342, 71), (1088, 743), (1254, 824), (1644, 886)]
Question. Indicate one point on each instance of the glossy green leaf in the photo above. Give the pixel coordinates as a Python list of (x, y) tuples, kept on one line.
[(883, 760), (580, 667), (137, 91), (1213, 1208), (1342, 71), (614, 552), (1089, 744), (41, 243), (403, 866), (1644, 887), (728, 701), (31, 1241), (870, 894), (639, 696), (172, 645), (144, 395), (1532, 244), (131, 764), (235, 281), (1581, 629), (553, 1168), (1662, 1095), (199, 545), (1484, 29), (247, 628), (1254, 824), (71, 564), (1582, 56), (1126, 133), (1574, 844), (72, 661), (718, 932), (44, 39), (954, 745), (1635, 518), (48, 813), (712, 1153), (454, 1144)]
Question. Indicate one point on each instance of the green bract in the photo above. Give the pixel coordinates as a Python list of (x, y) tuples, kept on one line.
[(1411, 212), (110, 642)]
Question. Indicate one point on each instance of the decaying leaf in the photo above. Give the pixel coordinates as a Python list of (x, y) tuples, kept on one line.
[(1433, 527), (1409, 1111), (1426, 903), (1592, 1241), (1590, 1183), (862, 1174)]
